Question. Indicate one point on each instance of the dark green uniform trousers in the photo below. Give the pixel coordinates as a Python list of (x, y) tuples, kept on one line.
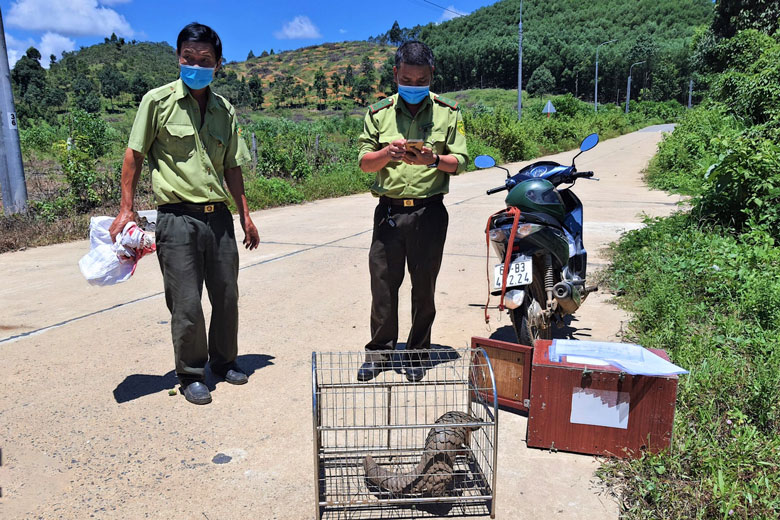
[(193, 247), (417, 240)]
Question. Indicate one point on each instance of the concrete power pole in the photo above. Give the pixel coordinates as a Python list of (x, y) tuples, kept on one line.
[(12, 177), (690, 93), (520, 65)]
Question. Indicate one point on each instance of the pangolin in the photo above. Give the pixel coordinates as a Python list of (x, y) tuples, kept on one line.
[(434, 473)]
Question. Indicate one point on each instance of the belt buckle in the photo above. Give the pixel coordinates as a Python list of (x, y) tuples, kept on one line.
[(408, 203), (209, 208)]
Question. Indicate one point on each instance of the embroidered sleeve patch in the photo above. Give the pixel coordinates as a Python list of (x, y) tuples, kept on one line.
[(461, 128)]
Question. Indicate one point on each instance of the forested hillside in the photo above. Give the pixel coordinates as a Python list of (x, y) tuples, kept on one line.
[(559, 46)]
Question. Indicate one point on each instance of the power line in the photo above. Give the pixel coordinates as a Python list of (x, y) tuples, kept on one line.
[(444, 8)]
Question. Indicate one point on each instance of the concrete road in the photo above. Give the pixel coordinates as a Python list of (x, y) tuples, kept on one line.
[(88, 430)]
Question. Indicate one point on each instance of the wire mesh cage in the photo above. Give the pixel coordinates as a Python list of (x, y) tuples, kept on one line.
[(389, 448)]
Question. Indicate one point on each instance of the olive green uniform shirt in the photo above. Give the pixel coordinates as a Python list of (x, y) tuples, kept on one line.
[(438, 123), (187, 160)]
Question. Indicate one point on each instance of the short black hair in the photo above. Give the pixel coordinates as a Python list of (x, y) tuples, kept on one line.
[(414, 53), (197, 32)]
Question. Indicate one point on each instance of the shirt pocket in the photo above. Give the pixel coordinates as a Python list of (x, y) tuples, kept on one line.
[(437, 142), (179, 140), (216, 145), (387, 138)]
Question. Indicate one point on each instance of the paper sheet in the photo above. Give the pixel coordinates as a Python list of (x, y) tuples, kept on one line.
[(633, 359)]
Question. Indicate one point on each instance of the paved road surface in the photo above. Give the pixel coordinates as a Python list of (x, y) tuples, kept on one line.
[(87, 428)]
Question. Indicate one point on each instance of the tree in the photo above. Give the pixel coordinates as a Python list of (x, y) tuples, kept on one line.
[(264, 54), (349, 76), (367, 68), (112, 83), (28, 72), (86, 96), (395, 34), (250, 55), (386, 77), (52, 60), (256, 92), (335, 83), (361, 89), (541, 82), (139, 85), (321, 85)]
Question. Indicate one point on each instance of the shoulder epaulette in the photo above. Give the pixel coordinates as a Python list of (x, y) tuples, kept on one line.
[(379, 105), (446, 102)]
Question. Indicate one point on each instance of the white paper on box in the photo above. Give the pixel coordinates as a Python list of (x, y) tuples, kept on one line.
[(630, 358), (599, 408)]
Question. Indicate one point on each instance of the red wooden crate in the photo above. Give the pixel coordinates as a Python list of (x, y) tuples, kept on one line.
[(511, 364), (598, 410)]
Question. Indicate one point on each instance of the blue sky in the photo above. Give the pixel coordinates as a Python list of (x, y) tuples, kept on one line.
[(54, 26)]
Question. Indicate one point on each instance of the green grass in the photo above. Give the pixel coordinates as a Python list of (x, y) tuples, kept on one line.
[(712, 301)]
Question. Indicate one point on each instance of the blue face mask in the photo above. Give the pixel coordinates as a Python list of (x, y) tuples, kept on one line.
[(196, 77), (413, 95)]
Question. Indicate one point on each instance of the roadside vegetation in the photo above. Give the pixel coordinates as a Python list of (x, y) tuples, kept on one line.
[(704, 284)]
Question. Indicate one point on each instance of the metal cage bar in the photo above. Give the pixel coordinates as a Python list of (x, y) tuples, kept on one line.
[(390, 425)]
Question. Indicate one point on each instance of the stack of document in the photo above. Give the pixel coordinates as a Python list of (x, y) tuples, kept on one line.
[(630, 358)]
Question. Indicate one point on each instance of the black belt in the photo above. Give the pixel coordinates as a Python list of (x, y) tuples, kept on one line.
[(190, 207), (411, 203)]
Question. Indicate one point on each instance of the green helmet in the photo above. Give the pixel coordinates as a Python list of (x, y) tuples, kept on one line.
[(537, 196)]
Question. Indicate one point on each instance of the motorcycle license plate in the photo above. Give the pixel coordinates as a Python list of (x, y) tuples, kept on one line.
[(519, 273)]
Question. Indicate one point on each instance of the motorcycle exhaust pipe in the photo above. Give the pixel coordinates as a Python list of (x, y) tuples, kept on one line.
[(567, 296)]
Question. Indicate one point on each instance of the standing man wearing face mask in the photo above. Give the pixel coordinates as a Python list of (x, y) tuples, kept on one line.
[(410, 221), (191, 138)]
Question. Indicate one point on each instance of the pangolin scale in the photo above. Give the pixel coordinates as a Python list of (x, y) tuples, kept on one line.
[(434, 473)]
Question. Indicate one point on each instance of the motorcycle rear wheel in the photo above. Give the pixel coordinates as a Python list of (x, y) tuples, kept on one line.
[(527, 333)]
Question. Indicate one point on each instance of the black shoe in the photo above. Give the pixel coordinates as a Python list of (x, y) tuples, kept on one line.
[(233, 375), (370, 369), (197, 393), (415, 373)]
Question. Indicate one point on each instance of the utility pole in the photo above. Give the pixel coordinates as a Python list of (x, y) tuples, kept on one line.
[(12, 177), (520, 65), (628, 87), (690, 93), (596, 91)]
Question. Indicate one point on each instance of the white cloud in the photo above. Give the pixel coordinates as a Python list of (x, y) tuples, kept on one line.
[(71, 17), (51, 43), (299, 28), (16, 48), (342, 31), (114, 2), (451, 13)]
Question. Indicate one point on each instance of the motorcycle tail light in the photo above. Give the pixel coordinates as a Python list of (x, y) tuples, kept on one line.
[(498, 235), (523, 230)]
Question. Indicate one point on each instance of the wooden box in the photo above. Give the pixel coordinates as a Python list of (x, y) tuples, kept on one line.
[(512, 371), (598, 410)]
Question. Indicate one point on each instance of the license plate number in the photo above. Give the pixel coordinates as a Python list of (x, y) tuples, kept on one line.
[(520, 273)]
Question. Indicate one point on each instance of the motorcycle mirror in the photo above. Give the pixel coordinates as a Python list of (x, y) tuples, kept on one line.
[(586, 144), (484, 161), (589, 142)]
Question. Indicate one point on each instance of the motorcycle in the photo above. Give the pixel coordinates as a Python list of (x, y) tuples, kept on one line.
[(542, 276)]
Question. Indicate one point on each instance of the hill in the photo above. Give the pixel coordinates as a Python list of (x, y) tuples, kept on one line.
[(560, 37), (302, 65)]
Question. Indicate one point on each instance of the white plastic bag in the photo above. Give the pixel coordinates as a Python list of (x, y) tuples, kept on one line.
[(110, 263)]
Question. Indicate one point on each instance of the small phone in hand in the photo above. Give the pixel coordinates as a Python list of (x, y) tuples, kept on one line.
[(417, 144)]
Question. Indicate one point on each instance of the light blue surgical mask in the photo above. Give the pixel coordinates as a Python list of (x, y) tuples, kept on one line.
[(413, 95), (196, 77)]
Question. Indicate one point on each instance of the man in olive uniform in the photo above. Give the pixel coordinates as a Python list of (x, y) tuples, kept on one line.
[(410, 221), (191, 138)]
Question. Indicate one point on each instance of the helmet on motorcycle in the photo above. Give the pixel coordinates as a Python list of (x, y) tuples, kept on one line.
[(537, 196)]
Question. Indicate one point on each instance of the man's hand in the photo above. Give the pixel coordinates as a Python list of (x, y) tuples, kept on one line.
[(251, 235), (396, 150), (422, 157), (120, 222)]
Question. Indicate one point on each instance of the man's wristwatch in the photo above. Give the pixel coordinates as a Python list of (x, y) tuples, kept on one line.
[(435, 164)]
